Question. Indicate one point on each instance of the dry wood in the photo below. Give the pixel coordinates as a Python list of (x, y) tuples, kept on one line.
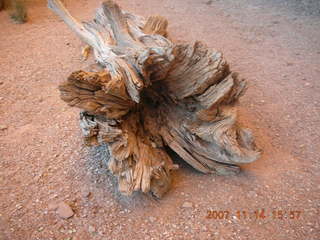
[(152, 94)]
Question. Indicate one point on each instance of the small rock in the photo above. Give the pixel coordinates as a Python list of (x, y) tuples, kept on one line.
[(52, 206), (152, 219), (64, 210), (252, 194), (3, 127), (91, 229), (86, 193), (307, 84), (187, 205), (40, 229), (1, 82), (18, 206)]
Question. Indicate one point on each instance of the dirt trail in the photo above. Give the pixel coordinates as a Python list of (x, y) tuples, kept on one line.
[(276, 46)]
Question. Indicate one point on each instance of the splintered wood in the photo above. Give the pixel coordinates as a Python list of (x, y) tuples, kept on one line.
[(153, 95)]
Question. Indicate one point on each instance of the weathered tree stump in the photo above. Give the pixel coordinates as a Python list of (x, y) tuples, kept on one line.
[(152, 94)]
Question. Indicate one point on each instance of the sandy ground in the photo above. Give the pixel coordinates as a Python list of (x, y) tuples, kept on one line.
[(273, 44)]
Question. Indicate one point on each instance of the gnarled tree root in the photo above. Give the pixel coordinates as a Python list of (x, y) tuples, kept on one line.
[(152, 94)]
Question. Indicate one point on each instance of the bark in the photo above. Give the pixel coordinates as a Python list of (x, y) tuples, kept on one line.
[(152, 94)]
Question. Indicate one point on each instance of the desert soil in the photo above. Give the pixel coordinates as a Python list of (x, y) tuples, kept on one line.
[(275, 45)]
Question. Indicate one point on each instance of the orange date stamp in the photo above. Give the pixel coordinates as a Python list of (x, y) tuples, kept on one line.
[(258, 214)]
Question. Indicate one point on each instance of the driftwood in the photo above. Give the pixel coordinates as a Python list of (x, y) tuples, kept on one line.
[(151, 95)]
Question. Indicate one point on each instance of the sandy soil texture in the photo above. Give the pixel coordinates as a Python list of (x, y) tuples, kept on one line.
[(273, 44)]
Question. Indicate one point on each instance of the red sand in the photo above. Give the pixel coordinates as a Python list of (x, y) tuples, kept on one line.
[(43, 160)]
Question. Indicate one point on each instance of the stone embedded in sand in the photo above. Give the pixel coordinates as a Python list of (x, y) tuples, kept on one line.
[(152, 219), (3, 127), (187, 205), (91, 229), (86, 193), (52, 206), (64, 210)]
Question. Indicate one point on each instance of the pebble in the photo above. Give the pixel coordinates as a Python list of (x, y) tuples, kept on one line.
[(70, 231), (152, 219), (3, 127), (86, 193), (187, 205), (18, 206), (252, 194), (91, 229), (64, 210)]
